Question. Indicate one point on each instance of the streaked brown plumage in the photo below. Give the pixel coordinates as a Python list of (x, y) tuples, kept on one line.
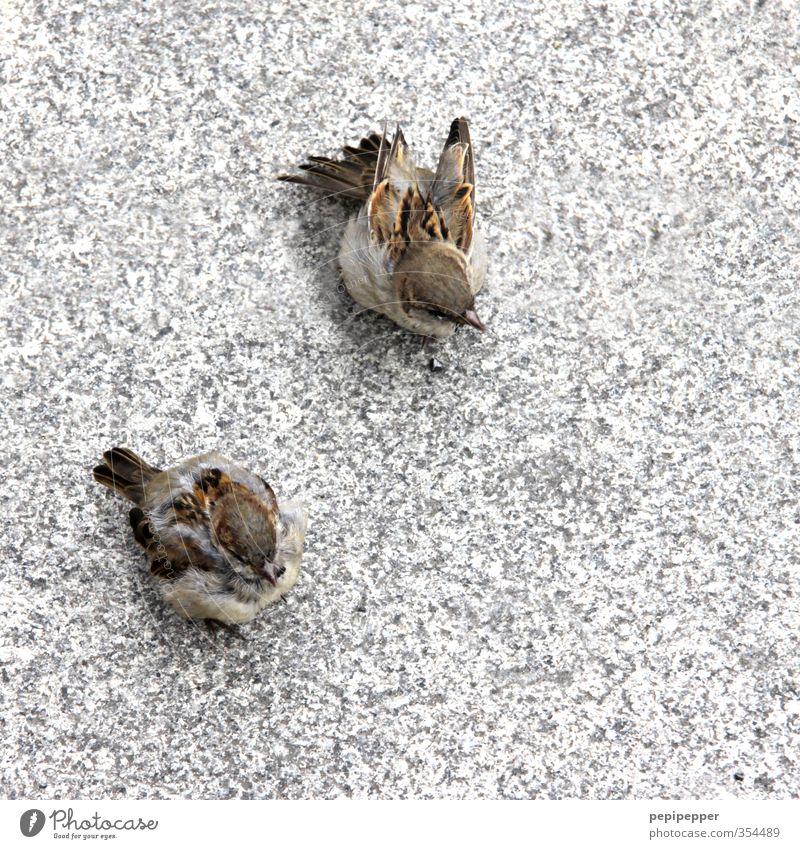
[(220, 546), (413, 252)]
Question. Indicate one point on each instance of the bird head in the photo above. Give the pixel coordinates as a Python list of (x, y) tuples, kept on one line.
[(434, 278), (245, 529)]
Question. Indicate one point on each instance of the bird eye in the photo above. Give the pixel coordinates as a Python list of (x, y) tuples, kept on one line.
[(440, 314)]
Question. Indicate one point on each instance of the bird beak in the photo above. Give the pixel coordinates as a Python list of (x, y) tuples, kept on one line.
[(471, 317), (269, 572)]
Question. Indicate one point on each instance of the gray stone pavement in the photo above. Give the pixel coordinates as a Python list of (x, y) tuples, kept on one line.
[(563, 566)]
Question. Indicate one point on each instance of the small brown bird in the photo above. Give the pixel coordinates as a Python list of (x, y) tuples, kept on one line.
[(219, 545), (413, 252)]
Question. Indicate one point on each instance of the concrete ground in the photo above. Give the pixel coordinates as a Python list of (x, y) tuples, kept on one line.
[(566, 565)]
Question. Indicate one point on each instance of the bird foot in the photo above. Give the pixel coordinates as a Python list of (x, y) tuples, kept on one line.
[(215, 626)]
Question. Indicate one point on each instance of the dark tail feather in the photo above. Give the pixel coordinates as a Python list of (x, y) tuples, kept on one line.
[(125, 472), (351, 176)]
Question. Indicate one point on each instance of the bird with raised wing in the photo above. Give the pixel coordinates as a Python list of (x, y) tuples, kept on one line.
[(413, 252)]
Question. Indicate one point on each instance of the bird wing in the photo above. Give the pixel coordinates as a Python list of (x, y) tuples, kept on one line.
[(173, 546), (382, 171), (400, 211), (452, 192), (408, 207), (175, 528)]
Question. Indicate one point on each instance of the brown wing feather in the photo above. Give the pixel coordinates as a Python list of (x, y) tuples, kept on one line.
[(176, 556), (382, 206), (459, 134), (399, 219), (165, 562), (170, 553), (452, 192)]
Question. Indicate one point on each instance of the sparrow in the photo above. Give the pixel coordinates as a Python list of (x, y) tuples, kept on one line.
[(220, 546), (413, 252)]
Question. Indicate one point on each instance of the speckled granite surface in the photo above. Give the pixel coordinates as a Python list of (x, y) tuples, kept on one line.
[(567, 564)]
